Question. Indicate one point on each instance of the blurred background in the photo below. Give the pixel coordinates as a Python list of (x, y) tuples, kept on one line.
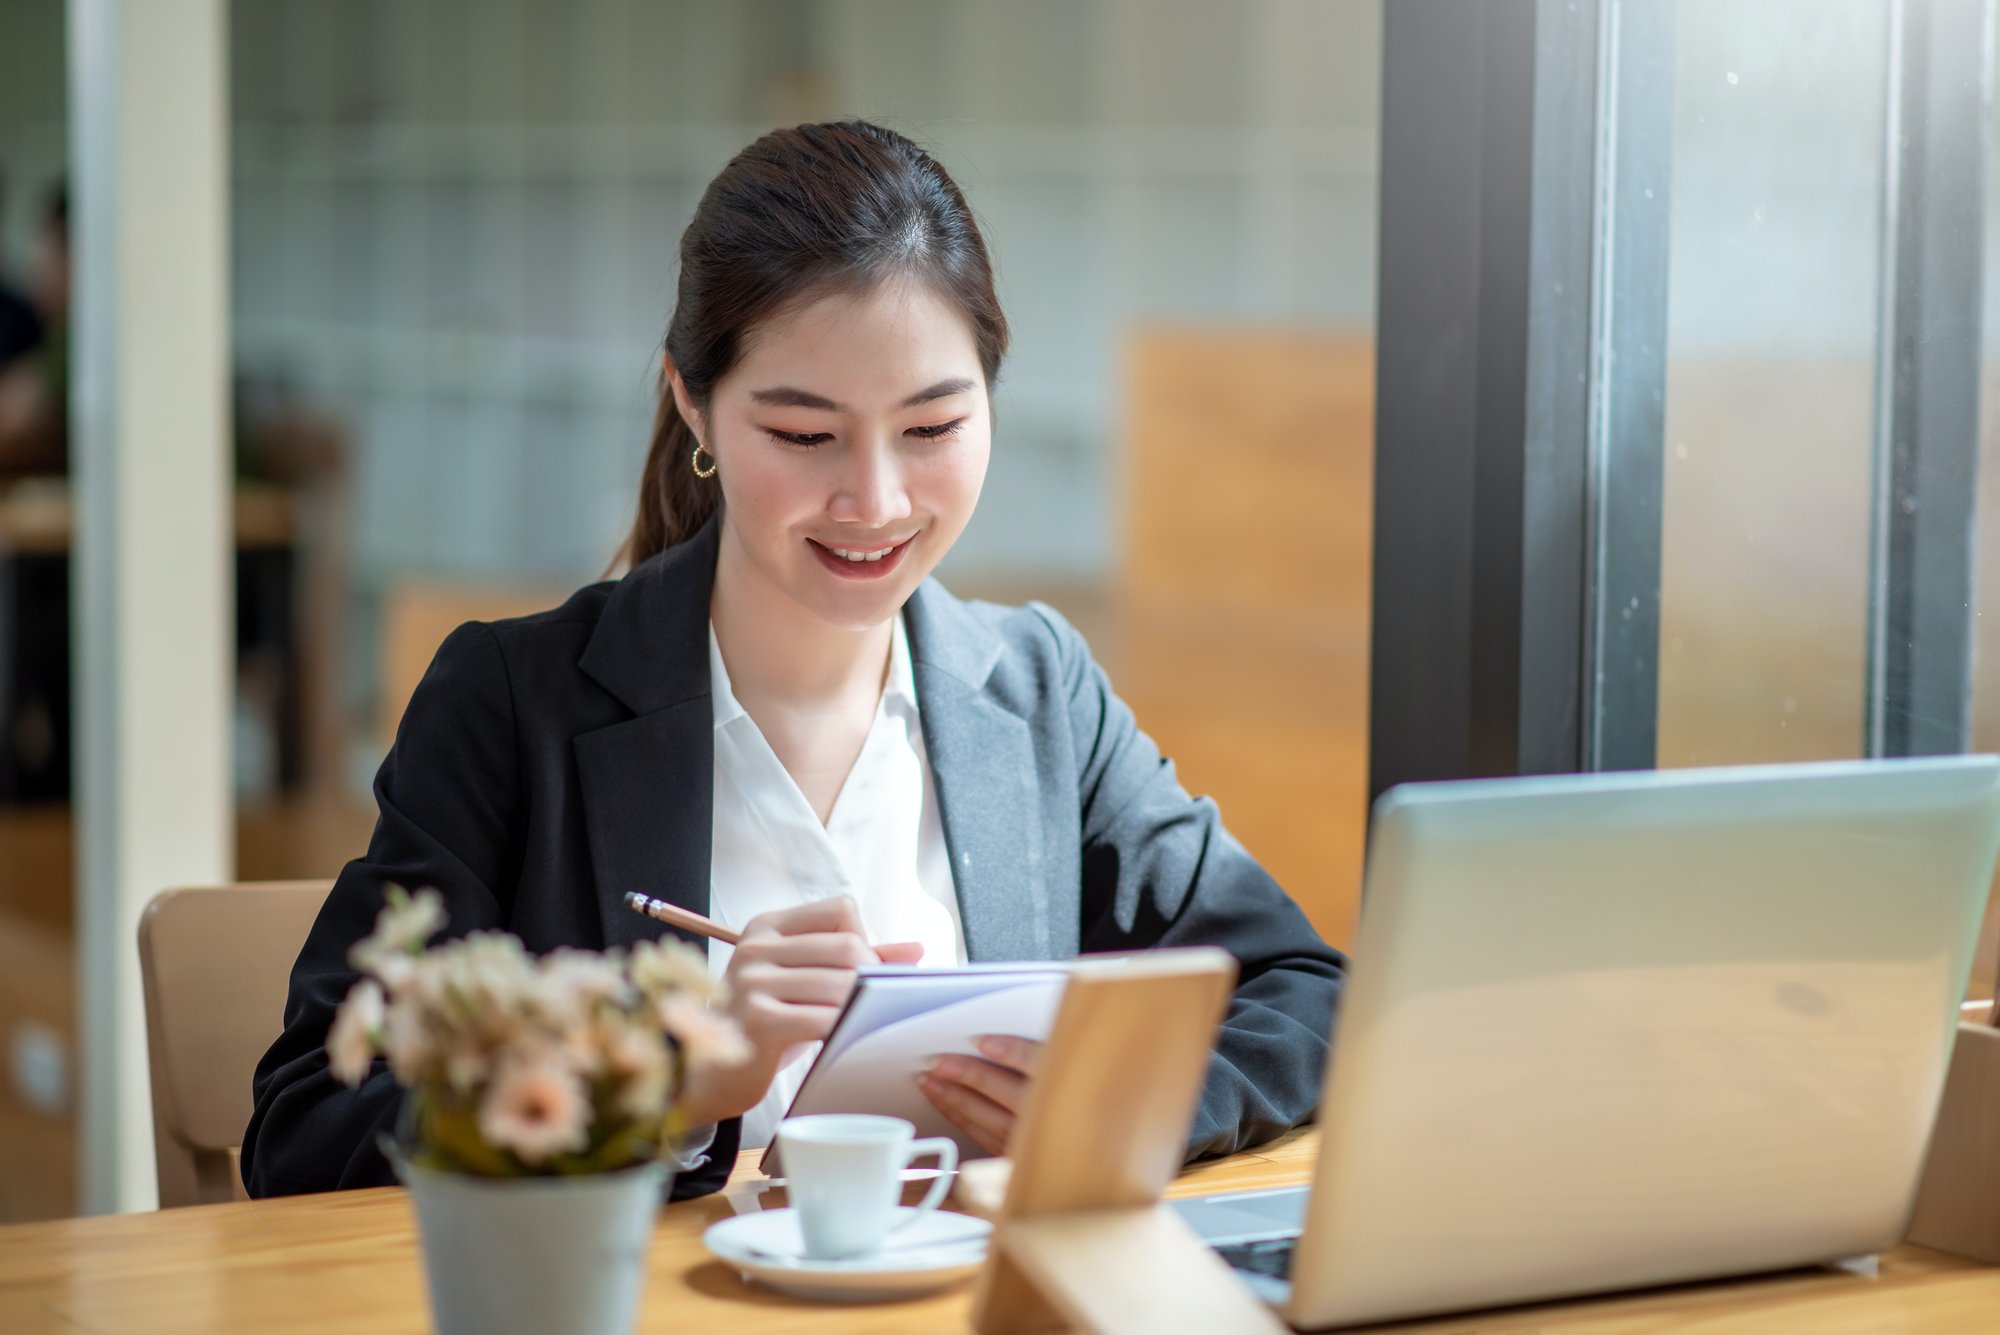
[(451, 259)]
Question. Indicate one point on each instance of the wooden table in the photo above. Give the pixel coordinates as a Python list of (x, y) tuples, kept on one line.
[(349, 1261)]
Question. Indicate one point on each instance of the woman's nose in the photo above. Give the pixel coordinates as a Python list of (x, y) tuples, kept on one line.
[(871, 489)]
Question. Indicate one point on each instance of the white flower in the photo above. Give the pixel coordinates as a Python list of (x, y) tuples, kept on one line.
[(628, 1046), (489, 972), (708, 1037), (668, 965), (407, 1041), (357, 1029), (426, 980), (401, 930), (637, 1054), (535, 1108), (464, 1068), (394, 971), (569, 984), (476, 983), (644, 1098)]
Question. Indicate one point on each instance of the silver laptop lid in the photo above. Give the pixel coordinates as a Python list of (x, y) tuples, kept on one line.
[(1613, 1030)]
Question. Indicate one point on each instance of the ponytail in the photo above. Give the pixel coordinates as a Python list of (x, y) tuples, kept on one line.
[(673, 502)]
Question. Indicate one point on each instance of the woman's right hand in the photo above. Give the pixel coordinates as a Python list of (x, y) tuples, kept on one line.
[(787, 980)]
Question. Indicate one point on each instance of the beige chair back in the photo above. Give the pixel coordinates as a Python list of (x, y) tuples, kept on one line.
[(215, 963), (416, 618)]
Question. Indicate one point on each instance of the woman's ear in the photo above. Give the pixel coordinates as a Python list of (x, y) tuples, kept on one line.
[(682, 404)]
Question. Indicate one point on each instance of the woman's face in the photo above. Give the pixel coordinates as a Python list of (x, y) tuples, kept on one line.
[(850, 442)]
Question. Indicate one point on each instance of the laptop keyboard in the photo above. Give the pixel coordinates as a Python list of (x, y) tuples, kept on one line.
[(1265, 1256)]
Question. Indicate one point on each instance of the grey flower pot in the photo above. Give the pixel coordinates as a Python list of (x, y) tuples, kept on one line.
[(515, 1256)]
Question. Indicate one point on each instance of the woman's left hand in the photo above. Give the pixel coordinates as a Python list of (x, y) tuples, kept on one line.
[(982, 1098)]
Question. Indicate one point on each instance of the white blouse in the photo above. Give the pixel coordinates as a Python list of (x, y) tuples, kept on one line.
[(883, 843)]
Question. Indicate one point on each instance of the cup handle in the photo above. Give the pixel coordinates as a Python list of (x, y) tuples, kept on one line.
[(946, 1150)]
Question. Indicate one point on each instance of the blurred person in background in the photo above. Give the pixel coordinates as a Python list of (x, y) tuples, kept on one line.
[(34, 376), (276, 437), (276, 440), (20, 322)]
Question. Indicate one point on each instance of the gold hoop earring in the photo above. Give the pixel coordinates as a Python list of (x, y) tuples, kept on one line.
[(695, 460)]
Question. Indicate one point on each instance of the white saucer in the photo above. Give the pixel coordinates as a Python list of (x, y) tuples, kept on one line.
[(933, 1253)]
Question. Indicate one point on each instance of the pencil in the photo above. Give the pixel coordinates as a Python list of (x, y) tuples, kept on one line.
[(676, 916)]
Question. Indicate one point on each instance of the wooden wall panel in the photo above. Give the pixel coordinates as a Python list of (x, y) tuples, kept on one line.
[(1242, 593)]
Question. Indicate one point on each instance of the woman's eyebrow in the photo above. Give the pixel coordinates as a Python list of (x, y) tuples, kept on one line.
[(943, 389), (784, 396), (788, 396)]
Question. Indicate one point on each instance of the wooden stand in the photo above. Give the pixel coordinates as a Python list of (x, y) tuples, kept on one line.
[(1139, 1269), (1958, 1204), (1081, 1240)]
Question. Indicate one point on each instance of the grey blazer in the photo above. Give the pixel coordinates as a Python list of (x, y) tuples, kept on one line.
[(549, 764)]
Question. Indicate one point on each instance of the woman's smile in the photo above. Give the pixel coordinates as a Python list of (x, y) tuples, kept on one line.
[(875, 562)]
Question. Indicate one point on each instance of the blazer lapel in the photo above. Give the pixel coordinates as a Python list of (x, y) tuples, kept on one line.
[(982, 760), (648, 782)]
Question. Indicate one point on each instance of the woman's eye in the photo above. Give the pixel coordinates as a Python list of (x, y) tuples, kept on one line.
[(806, 439), (938, 432)]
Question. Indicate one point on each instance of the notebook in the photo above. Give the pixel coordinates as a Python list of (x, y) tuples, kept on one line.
[(899, 1017)]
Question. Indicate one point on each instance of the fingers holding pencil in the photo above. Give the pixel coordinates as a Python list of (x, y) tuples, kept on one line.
[(891, 952), (788, 976)]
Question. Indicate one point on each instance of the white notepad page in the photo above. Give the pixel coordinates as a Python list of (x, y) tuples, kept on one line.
[(899, 1018)]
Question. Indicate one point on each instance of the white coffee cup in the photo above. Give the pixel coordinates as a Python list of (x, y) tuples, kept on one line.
[(844, 1175)]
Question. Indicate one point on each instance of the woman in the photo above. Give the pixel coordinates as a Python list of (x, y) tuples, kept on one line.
[(776, 719)]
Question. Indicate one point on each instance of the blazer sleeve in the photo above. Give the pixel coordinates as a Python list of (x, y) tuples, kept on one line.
[(1159, 869), (447, 798), (451, 816)]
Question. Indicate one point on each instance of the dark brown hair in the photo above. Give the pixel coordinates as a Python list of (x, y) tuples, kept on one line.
[(800, 213)]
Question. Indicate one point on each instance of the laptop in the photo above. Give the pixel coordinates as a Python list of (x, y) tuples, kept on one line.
[(1616, 1030)]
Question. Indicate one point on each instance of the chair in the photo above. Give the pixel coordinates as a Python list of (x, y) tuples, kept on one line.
[(417, 616), (215, 964)]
